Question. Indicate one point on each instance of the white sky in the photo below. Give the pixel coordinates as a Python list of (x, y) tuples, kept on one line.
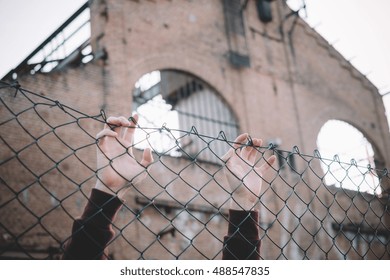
[(358, 29)]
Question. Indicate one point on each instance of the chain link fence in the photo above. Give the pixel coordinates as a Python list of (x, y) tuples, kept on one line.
[(310, 207)]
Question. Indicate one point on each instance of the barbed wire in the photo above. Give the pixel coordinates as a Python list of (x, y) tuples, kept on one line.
[(310, 207)]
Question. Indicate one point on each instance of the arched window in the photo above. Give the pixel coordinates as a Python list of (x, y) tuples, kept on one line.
[(189, 113), (346, 155)]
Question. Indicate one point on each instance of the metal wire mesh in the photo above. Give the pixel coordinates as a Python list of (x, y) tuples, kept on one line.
[(310, 207)]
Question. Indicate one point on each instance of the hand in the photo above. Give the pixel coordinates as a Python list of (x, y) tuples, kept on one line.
[(244, 178), (117, 167)]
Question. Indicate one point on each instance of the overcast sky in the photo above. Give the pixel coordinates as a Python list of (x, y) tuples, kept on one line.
[(358, 29)]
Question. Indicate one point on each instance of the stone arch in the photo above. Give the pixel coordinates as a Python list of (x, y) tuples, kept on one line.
[(196, 65), (352, 117), (187, 106), (342, 144)]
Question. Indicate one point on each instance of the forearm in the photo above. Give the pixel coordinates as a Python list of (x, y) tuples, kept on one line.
[(242, 240), (93, 231)]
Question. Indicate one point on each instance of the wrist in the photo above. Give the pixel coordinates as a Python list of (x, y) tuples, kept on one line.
[(242, 204), (114, 191), (101, 209)]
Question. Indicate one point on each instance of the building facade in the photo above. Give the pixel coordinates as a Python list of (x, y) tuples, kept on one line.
[(227, 65)]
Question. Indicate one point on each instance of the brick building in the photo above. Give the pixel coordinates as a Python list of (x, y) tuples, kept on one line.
[(226, 65)]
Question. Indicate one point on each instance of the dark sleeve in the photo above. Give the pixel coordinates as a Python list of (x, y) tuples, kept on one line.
[(93, 231), (242, 241)]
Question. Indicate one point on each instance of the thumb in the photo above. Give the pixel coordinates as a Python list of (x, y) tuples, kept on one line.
[(147, 157), (227, 156)]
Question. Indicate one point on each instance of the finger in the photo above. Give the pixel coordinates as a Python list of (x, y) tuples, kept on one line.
[(250, 151), (131, 128), (124, 124), (245, 152), (101, 136), (267, 165), (254, 151), (147, 157), (236, 144), (135, 118), (240, 140), (114, 123), (106, 132), (113, 120), (118, 121), (257, 142)]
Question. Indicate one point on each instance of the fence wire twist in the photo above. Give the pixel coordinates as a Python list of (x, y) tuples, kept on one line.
[(310, 207)]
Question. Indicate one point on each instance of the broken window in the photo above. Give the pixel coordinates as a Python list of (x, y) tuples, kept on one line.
[(189, 114), (346, 153)]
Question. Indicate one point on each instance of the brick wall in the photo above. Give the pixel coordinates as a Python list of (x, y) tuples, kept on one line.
[(295, 83)]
